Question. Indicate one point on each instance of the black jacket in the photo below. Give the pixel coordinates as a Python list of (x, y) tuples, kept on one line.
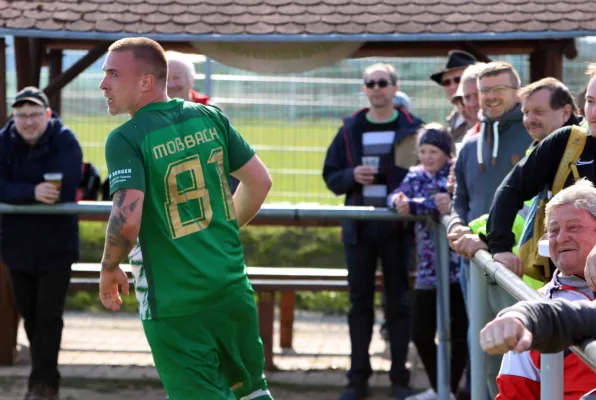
[(528, 178), (39, 242), (345, 153)]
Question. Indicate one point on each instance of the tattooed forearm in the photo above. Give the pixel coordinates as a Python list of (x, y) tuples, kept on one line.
[(120, 214), (123, 227)]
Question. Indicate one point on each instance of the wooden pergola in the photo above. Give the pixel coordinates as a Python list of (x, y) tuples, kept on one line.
[(42, 30), (32, 53)]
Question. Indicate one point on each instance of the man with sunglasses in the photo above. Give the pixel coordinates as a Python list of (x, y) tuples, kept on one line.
[(449, 78), (368, 158)]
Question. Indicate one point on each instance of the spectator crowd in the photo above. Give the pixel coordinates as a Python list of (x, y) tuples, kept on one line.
[(511, 165)]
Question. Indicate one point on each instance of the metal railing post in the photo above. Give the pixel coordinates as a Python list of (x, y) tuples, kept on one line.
[(551, 368), (551, 376), (443, 313), (208, 83), (477, 301)]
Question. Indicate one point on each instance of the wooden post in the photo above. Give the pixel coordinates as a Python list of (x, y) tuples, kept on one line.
[(55, 61), (547, 61), (9, 318), (287, 305), (74, 70), (8, 313), (21, 54), (36, 52), (266, 308), (3, 104)]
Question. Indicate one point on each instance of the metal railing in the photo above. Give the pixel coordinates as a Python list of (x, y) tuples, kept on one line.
[(483, 267)]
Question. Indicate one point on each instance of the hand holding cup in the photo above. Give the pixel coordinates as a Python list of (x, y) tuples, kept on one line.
[(48, 192)]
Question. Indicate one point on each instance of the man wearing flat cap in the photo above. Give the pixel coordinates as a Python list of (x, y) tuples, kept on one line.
[(449, 78), (40, 163)]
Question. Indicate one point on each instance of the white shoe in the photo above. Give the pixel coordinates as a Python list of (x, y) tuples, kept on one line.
[(426, 395)]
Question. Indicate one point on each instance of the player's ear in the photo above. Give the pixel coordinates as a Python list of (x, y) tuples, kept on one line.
[(147, 82)]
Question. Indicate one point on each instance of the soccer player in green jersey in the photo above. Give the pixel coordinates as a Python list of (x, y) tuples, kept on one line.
[(174, 216)]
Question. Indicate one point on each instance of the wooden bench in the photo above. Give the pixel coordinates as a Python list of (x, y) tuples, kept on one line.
[(266, 282)]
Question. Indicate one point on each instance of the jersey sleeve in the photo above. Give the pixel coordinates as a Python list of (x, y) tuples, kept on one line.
[(125, 163), (240, 152)]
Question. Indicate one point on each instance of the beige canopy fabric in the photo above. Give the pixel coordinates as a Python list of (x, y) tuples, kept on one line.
[(277, 58)]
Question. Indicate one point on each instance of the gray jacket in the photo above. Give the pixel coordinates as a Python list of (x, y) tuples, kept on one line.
[(557, 324), (479, 175), (456, 131)]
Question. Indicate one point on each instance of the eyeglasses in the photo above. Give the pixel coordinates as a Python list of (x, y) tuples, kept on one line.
[(28, 116), (382, 83), (496, 89), (447, 82)]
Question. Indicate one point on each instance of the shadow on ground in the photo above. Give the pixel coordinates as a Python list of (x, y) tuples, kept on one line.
[(81, 389)]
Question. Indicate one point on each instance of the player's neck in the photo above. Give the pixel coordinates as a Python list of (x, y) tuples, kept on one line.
[(154, 97)]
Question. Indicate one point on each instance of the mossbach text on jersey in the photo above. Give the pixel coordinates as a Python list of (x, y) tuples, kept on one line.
[(174, 146)]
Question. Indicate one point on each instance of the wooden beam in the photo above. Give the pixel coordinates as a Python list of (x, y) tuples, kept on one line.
[(8, 313), (266, 310), (21, 54), (55, 63), (547, 61), (36, 51), (83, 63), (287, 305), (3, 105), (9, 317), (369, 49), (473, 49), (569, 49), (440, 49), (65, 44)]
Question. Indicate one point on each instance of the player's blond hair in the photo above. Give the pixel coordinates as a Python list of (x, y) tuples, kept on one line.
[(147, 52), (591, 70)]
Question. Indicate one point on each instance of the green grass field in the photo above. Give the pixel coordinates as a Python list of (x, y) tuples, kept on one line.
[(294, 153)]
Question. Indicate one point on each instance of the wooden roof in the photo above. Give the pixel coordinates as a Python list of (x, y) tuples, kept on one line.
[(365, 20)]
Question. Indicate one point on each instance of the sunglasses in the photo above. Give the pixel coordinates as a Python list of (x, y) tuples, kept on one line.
[(382, 83), (447, 82)]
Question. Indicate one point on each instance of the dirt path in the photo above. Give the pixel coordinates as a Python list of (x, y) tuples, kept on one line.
[(13, 389)]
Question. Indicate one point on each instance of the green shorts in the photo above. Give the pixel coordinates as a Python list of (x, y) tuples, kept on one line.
[(201, 356)]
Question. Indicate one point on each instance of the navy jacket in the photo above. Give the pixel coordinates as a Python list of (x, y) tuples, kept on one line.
[(345, 153), (39, 242)]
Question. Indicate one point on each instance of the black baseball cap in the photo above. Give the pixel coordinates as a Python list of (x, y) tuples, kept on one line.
[(33, 95)]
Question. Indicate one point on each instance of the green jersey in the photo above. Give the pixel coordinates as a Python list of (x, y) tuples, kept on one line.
[(180, 154)]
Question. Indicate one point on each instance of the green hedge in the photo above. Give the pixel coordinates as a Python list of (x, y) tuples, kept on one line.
[(263, 246)]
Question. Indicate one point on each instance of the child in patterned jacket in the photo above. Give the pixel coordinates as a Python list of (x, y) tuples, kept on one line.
[(423, 187)]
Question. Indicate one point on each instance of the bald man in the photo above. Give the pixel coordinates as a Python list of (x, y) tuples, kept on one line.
[(181, 77)]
